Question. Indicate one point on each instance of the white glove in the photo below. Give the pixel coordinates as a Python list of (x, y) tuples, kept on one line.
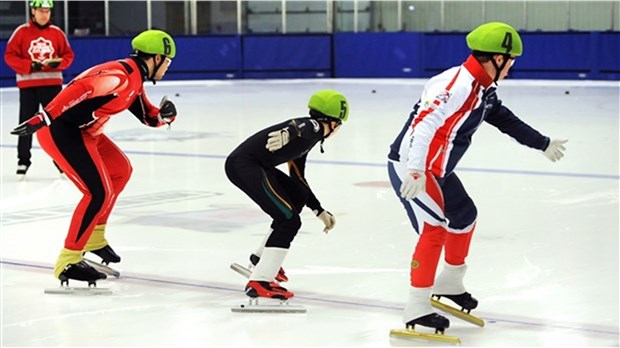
[(328, 219), (555, 150), (277, 139), (413, 185)]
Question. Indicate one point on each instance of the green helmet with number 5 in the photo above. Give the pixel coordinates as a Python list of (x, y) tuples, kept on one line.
[(330, 103), (42, 3), (495, 37), (154, 41)]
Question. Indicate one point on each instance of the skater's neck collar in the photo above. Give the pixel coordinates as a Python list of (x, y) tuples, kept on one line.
[(144, 69), (477, 71)]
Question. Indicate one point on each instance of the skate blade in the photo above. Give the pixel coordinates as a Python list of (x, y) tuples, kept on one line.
[(107, 270), (69, 290), (409, 333), (241, 270), (457, 313), (254, 307), (262, 308)]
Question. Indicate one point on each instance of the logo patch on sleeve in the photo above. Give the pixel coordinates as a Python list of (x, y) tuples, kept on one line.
[(443, 96), (315, 126)]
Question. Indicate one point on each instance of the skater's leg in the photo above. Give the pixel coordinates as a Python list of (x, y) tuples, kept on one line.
[(76, 153), (427, 218), (28, 106), (119, 170), (462, 213), (263, 186)]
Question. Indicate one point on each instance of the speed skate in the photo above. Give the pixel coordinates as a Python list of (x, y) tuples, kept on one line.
[(266, 305), (80, 271), (461, 314), (65, 289)]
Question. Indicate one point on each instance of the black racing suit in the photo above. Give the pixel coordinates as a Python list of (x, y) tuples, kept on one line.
[(252, 168)]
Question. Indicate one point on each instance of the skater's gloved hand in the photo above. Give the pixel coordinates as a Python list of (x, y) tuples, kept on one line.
[(36, 66), (53, 63), (277, 139), (167, 111), (327, 218), (555, 150), (30, 126), (413, 185)]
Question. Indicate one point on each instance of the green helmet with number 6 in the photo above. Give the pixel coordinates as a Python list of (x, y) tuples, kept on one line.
[(495, 37), (42, 3), (154, 42), (330, 103)]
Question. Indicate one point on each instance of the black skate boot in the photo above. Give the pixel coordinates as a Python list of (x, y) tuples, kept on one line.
[(465, 300), (433, 320), (280, 277), (80, 271), (107, 255)]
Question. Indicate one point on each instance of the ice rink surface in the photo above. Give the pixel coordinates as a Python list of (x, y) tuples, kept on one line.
[(543, 262)]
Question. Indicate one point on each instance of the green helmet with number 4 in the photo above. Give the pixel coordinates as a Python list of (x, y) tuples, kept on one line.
[(154, 41), (42, 3), (330, 103), (495, 37)]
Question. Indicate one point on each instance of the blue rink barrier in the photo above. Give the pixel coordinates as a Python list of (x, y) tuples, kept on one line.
[(547, 55)]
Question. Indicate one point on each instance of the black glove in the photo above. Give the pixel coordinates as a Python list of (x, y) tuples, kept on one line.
[(36, 66), (54, 63), (167, 111), (33, 124)]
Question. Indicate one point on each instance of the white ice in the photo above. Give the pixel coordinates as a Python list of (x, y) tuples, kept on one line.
[(543, 261)]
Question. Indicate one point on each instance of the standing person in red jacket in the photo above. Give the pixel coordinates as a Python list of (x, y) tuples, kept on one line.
[(38, 51), (70, 130)]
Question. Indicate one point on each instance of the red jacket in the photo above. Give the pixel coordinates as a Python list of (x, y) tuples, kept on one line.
[(30, 42), (102, 91)]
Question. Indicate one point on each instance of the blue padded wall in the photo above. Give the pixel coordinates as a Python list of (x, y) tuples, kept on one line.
[(277, 56), (547, 55), (377, 54)]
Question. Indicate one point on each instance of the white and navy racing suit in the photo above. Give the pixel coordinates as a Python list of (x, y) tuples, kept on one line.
[(435, 137)]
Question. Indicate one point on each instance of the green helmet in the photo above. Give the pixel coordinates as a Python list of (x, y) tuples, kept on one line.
[(42, 3), (154, 42), (330, 103), (495, 37)]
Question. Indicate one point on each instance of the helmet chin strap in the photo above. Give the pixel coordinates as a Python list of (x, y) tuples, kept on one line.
[(331, 130), (155, 68), (498, 69)]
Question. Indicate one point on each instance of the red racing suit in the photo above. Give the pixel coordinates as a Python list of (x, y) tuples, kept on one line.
[(75, 138)]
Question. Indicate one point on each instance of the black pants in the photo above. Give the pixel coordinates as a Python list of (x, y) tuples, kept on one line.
[(29, 101), (275, 193)]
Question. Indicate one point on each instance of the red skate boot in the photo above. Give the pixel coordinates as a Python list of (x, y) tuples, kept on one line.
[(256, 288)]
